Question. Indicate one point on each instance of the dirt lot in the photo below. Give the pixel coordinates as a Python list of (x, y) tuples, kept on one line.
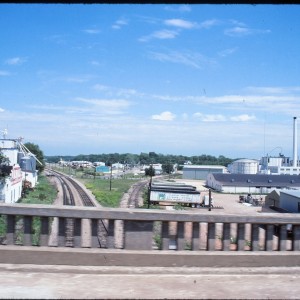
[(229, 202)]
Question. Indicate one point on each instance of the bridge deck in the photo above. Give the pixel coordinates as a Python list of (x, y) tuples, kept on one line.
[(87, 282), (44, 273)]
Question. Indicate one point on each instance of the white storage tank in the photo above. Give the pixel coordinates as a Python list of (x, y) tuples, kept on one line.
[(244, 166)]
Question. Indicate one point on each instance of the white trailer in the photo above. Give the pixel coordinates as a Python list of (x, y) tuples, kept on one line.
[(188, 199)]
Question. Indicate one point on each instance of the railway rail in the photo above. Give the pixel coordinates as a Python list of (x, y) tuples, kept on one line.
[(135, 195), (68, 185)]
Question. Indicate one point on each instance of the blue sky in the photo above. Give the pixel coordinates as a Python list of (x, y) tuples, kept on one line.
[(174, 79)]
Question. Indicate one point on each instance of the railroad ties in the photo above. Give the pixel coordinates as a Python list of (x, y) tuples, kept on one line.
[(69, 228)]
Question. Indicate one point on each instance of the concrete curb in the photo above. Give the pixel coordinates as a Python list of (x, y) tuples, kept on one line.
[(104, 257)]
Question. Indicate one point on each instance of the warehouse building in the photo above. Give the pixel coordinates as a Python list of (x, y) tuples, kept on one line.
[(201, 172), (251, 183), (290, 201)]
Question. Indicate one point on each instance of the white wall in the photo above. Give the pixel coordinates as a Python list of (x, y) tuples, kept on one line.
[(11, 188), (289, 202)]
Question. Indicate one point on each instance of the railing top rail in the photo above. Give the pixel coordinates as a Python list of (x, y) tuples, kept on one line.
[(145, 214)]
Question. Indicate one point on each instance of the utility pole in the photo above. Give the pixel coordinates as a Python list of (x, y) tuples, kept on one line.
[(110, 177), (209, 193), (149, 191)]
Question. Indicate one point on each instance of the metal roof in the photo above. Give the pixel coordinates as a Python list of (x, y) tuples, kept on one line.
[(203, 167), (265, 180), (292, 193), (246, 160)]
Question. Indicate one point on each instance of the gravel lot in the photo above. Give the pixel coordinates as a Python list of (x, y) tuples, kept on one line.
[(229, 202)]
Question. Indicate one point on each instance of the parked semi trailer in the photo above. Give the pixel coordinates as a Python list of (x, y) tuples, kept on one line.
[(172, 194)]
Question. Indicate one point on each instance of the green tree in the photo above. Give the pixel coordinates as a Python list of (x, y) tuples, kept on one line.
[(35, 149), (150, 171), (144, 158), (167, 168), (5, 168)]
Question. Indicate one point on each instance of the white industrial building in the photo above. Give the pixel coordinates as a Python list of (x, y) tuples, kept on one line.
[(22, 168), (201, 171), (244, 166), (251, 183), (275, 165), (282, 165), (11, 186)]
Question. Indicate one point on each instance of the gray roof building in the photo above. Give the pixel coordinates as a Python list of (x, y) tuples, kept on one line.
[(201, 171), (251, 183)]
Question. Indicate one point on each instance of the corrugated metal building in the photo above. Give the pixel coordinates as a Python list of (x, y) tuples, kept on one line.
[(251, 183), (290, 201), (200, 172)]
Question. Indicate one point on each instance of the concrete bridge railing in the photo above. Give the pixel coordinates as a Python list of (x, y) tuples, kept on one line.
[(150, 230)]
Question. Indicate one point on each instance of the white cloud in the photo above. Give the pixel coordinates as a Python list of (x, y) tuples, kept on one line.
[(210, 117), (237, 23), (15, 61), (1, 110), (272, 90), (126, 92), (209, 23), (101, 87), (181, 8), (180, 23), (92, 31), (113, 91), (4, 73), (165, 34), (242, 118), (222, 118), (227, 52), (107, 106), (162, 35), (195, 60), (119, 24), (95, 63), (240, 31), (164, 116)]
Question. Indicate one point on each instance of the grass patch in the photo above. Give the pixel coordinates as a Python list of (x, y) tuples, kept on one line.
[(43, 193), (101, 189)]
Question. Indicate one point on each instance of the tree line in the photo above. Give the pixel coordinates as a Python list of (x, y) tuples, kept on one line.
[(145, 159)]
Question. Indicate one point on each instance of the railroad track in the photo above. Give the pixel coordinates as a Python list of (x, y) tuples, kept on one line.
[(68, 185), (134, 196)]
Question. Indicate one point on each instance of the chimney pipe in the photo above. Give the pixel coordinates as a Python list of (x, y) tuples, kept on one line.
[(295, 157)]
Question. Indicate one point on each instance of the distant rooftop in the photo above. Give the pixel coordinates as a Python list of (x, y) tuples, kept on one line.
[(230, 179), (203, 167)]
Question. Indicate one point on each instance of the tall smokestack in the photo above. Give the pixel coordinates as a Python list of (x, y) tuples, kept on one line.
[(295, 158)]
